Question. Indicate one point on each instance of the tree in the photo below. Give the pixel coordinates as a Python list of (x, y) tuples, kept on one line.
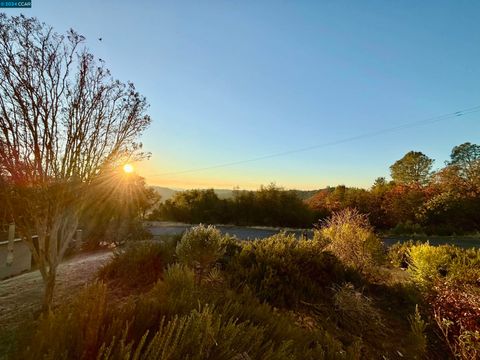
[(465, 160), (193, 206), (63, 122), (413, 169), (455, 206), (118, 203)]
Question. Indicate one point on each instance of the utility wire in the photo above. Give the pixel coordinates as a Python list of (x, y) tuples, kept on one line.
[(409, 125)]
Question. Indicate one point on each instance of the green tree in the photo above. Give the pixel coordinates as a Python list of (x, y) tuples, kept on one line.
[(413, 169), (117, 204), (465, 160), (194, 206)]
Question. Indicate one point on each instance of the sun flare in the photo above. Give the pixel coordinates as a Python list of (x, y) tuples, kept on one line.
[(128, 168)]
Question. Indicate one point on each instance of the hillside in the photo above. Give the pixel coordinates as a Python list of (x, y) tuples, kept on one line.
[(165, 193), (168, 193)]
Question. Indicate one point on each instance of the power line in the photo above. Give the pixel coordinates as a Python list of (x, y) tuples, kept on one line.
[(409, 125)]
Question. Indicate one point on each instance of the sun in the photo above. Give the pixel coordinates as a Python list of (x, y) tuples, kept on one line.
[(128, 168)]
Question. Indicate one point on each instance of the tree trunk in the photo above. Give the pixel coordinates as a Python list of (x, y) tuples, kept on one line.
[(49, 287)]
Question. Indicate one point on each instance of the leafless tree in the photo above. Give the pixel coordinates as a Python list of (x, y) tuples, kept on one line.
[(63, 119)]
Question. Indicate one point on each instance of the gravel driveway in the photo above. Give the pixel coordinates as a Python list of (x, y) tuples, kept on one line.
[(21, 296)]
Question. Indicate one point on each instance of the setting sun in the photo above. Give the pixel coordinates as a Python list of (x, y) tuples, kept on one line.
[(128, 168)]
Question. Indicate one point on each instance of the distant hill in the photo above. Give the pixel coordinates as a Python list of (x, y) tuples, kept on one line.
[(224, 193), (168, 193), (165, 193), (304, 194)]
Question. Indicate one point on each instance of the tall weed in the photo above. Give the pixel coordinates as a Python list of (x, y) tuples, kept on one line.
[(352, 240)]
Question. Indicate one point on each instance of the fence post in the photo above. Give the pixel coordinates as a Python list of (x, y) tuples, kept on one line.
[(11, 238)]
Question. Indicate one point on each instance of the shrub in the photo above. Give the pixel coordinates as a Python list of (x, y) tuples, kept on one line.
[(397, 254), (284, 271), (417, 340), (352, 240), (456, 311), (429, 264), (355, 311), (320, 239), (178, 294), (74, 331), (200, 247), (173, 321), (450, 275), (205, 334), (139, 264), (464, 267), (232, 247), (177, 291)]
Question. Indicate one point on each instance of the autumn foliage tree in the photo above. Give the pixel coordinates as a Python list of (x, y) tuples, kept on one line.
[(63, 121), (418, 199)]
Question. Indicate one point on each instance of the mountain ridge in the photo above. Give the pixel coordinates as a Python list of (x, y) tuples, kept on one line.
[(167, 193)]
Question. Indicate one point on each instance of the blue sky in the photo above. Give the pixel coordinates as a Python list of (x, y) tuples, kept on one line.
[(234, 80)]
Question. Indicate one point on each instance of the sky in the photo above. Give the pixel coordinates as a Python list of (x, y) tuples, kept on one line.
[(229, 81)]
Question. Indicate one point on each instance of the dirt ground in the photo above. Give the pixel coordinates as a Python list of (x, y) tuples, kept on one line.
[(21, 296)]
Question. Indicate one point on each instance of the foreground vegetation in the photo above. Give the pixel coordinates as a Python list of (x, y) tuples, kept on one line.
[(209, 296)]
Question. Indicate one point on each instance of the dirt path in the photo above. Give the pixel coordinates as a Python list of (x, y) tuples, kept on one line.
[(21, 296)]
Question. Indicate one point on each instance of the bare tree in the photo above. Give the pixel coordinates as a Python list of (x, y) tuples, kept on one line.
[(63, 121)]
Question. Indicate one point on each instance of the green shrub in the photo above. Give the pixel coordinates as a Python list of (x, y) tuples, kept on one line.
[(232, 247), (464, 266), (320, 239), (74, 331), (201, 247), (205, 334), (428, 264), (177, 294), (179, 318), (352, 240), (283, 270), (138, 264), (397, 253)]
